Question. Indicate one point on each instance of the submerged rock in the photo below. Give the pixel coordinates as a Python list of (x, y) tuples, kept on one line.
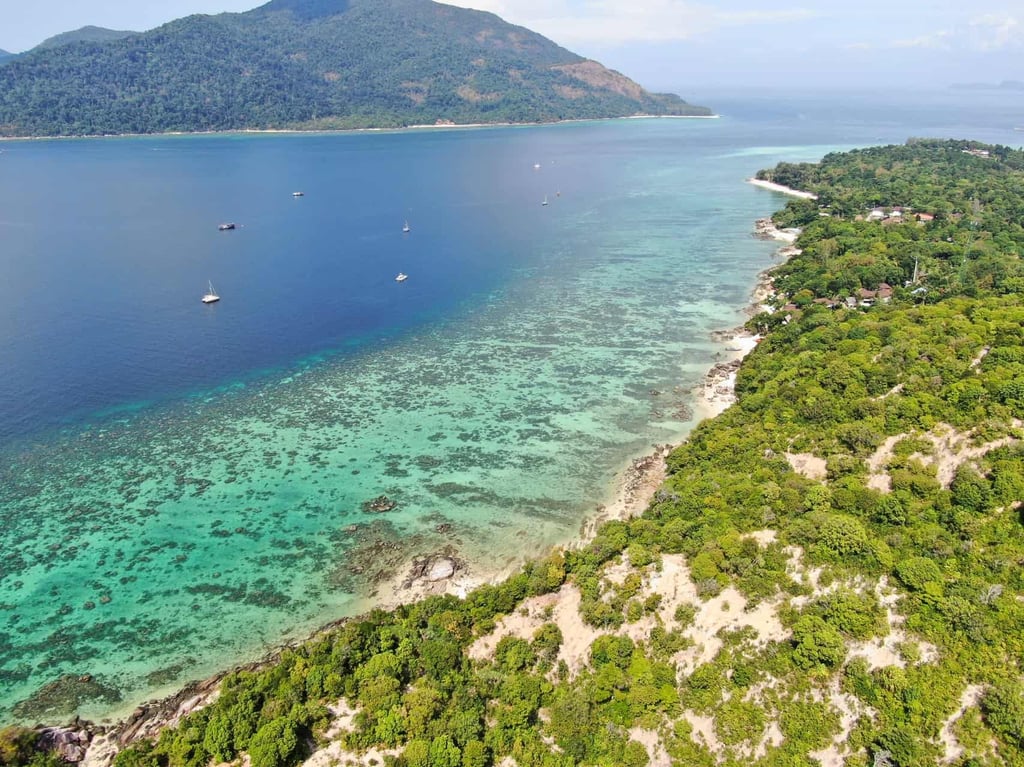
[(65, 695), (380, 504)]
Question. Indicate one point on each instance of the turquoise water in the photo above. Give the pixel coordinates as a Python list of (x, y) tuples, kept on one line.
[(184, 486)]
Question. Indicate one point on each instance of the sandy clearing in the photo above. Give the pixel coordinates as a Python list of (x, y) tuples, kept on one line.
[(703, 731), (334, 754), (807, 465), (971, 696), (878, 477), (651, 741)]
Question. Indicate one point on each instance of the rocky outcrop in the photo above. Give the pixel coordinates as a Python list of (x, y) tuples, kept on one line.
[(432, 568)]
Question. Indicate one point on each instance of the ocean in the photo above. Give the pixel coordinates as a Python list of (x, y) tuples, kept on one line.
[(186, 486)]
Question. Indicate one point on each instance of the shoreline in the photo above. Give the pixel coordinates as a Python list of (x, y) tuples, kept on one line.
[(346, 131), (96, 743), (773, 187)]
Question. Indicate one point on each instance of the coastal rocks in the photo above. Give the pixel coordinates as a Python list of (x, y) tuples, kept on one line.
[(432, 568), (765, 229), (719, 386), (147, 720), (69, 743), (641, 469), (380, 504), (721, 371)]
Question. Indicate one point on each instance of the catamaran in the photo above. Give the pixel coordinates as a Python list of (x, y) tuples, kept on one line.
[(211, 295)]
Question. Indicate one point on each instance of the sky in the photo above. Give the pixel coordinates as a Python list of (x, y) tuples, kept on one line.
[(679, 44)]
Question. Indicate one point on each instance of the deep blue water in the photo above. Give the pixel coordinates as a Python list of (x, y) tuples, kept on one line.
[(106, 244)]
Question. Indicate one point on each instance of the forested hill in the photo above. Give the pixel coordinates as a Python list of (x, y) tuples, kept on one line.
[(88, 34), (310, 64), (4, 55)]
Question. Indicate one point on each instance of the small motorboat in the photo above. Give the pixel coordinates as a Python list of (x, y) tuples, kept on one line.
[(402, 277), (298, 194), (226, 227)]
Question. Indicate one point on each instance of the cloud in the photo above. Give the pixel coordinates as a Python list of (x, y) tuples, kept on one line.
[(993, 31), (986, 33), (613, 21), (936, 40)]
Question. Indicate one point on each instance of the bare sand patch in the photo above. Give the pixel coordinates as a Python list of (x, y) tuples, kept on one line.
[(651, 741), (764, 538), (953, 449), (522, 624), (881, 652), (971, 696), (703, 733), (564, 606), (728, 610), (878, 477), (807, 465), (334, 754), (850, 710)]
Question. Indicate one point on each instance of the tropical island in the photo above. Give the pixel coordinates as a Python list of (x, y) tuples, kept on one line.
[(312, 65), (829, 575)]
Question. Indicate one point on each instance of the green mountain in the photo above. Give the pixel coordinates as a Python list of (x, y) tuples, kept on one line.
[(4, 55), (88, 34), (309, 64)]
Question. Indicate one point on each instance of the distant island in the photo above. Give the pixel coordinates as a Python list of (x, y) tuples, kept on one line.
[(312, 65), (1005, 85)]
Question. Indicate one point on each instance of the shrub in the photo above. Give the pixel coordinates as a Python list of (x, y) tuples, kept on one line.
[(274, 743)]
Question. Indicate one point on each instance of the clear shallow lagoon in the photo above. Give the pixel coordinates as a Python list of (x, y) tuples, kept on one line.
[(182, 486)]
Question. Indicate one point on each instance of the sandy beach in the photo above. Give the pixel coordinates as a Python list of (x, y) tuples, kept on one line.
[(773, 187), (329, 131)]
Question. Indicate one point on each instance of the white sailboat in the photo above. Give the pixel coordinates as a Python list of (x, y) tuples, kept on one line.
[(545, 200), (402, 277), (406, 228), (211, 295)]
